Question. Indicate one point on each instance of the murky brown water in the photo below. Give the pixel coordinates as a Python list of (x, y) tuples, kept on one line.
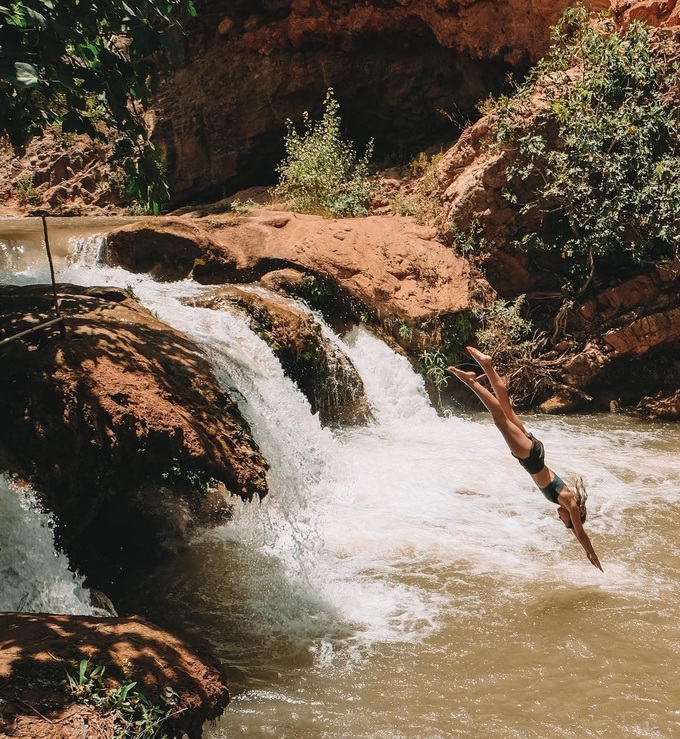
[(513, 635), (21, 239)]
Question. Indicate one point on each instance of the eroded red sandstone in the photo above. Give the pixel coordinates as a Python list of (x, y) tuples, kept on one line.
[(111, 421), (37, 651)]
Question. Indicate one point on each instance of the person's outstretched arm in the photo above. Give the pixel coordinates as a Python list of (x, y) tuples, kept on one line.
[(580, 534)]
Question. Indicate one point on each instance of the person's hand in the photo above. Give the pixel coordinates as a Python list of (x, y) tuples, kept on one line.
[(595, 561)]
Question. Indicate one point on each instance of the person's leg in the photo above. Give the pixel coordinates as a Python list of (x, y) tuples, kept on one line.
[(516, 439), (499, 387)]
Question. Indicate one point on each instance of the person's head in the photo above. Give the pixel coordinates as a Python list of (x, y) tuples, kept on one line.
[(578, 490)]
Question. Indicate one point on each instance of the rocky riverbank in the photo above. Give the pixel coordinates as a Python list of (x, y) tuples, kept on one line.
[(120, 424), (39, 652)]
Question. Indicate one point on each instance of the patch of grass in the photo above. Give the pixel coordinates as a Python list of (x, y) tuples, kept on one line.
[(425, 269), (423, 204), (25, 191), (136, 717)]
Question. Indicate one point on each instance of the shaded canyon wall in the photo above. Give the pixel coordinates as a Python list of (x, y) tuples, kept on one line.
[(408, 73)]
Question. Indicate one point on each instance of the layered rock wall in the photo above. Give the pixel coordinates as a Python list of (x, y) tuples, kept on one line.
[(408, 73)]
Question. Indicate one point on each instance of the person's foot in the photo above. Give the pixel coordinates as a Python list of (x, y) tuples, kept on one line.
[(484, 360), (466, 377)]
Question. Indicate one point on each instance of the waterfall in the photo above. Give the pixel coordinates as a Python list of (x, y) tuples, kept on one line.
[(33, 576), (347, 508), (88, 251), (380, 532)]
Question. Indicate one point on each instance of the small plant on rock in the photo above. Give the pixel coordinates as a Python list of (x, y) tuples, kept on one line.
[(405, 331), (321, 172), (242, 206), (434, 363), (25, 190), (423, 203), (184, 477), (136, 717)]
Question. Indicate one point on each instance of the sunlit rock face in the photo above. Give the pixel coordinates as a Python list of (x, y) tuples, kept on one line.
[(391, 268), (408, 73)]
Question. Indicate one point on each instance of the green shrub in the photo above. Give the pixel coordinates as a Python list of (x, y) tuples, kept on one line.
[(504, 333), (25, 190), (321, 172), (600, 160)]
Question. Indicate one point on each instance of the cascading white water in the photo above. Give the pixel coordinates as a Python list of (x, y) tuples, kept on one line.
[(33, 576), (406, 579)]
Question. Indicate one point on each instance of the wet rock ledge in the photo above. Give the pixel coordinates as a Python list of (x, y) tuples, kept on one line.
[(121, 425), (324, 374), (37, 651)]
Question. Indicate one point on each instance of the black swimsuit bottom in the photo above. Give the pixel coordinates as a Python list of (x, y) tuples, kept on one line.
[(534, 463)]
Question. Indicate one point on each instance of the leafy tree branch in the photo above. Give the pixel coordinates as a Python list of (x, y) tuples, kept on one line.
[(88, 67)]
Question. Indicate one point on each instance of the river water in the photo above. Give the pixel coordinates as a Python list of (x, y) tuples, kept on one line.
[(406, 580)]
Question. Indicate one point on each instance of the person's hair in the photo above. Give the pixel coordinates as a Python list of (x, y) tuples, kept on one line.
[(578, 487)]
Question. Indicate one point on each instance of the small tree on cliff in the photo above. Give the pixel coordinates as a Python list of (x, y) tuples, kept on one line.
[(593, 137), (87, 67), (321, 172)]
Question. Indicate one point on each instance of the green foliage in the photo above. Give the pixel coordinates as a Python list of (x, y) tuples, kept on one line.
[(467, 240), (242, 206), (184, 477), (321, 172), (25, 190), (423, 204), (456, 332), (88, 681), (504, 333), (405, 331), (130, 292), (420, 163), (317, 292), (86, 67), (601, 159), (146, 181), (434, 363), (137, 717)]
